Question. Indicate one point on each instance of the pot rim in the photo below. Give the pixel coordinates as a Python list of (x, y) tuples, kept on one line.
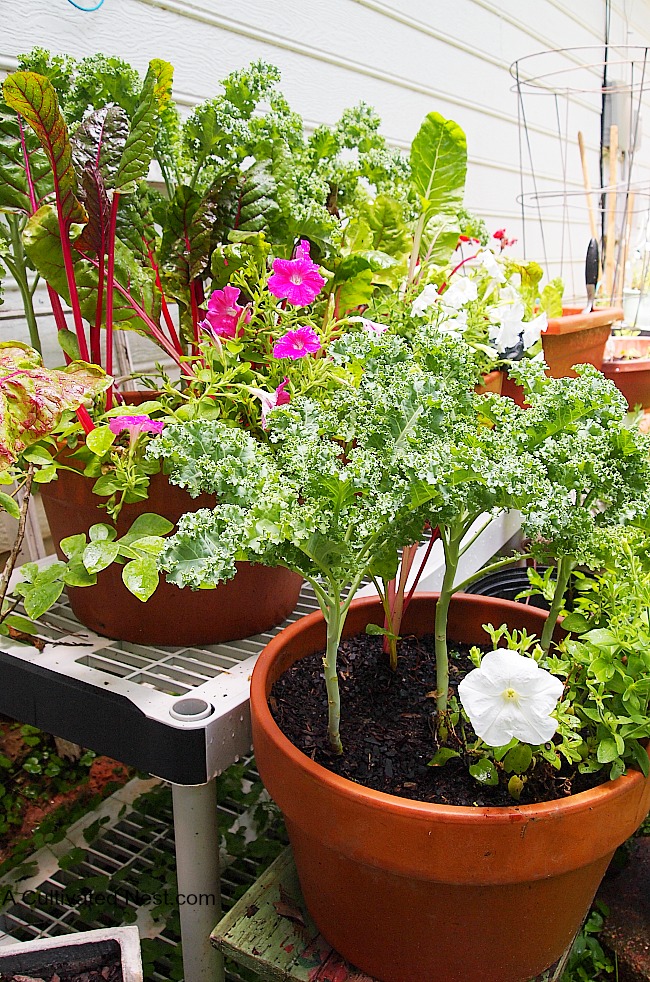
[(416, 810), (575, 319)]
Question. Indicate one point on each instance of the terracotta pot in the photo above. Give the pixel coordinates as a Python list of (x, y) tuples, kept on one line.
[(513, 391), (256, 599), (577, 338), (492, 382), (410, 891), (630, 375)]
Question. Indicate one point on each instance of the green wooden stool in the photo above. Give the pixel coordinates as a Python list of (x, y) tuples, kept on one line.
[(270, 932)]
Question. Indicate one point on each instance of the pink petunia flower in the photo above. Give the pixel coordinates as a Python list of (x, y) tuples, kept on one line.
[(224, 313), (303, 250), (296, 344), (270, 400), (135, 426), (296, 280)]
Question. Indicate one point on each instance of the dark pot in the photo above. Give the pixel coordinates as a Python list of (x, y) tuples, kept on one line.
[(508, 584), (78, 953)]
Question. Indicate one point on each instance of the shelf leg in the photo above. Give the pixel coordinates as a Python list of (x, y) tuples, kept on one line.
[(199, 890)]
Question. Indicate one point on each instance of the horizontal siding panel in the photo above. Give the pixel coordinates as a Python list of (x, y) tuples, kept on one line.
[(405, 57)]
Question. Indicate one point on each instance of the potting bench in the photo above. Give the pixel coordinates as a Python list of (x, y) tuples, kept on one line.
[(270, 932), (179, 713)]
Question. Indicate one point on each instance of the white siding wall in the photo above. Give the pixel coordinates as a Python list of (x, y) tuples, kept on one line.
[(405, 57)]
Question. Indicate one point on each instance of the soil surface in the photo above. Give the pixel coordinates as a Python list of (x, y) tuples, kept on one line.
[(388, 726), (110, 972)]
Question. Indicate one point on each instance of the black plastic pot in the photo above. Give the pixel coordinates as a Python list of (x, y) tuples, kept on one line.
[(508, 584), (75, 954)]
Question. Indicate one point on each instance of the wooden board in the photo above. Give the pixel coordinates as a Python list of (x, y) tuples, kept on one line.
[(270, 932)]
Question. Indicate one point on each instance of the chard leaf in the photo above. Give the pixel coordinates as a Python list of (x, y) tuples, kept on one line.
[(257, 206), (33, 398), (439, 165), (43, 246), (139, 145), (99, 140), (386, 223), (34, 98), (20, 152)]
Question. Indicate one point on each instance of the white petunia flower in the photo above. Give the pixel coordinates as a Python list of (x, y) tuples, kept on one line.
[(424, 300), (491, 265), (510, 696), (462, 291), (534, 329)]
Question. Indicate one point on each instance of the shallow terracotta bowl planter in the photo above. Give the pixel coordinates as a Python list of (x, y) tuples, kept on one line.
[(630, 374), (414, 892), (256, 599)]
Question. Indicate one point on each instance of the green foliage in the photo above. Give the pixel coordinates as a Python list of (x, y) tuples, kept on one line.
[(588, 962), (439, 165), (33, 399)]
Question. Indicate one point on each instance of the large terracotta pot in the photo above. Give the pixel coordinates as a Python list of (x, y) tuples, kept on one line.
[(414, 892), (630, 374), (257, 599), (577, 338)]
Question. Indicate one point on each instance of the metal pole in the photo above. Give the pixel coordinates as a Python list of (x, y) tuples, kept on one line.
[(196, 838)]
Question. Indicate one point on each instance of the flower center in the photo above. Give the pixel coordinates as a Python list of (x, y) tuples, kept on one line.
[(510, 695), (296, 279), (232, 311)]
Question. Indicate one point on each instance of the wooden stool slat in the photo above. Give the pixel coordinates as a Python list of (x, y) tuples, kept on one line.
[(270, 932)]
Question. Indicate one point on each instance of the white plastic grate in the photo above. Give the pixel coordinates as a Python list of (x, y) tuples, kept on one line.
[(137, 845)]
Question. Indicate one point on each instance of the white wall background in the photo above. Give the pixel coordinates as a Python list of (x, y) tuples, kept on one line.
[(405, 57)]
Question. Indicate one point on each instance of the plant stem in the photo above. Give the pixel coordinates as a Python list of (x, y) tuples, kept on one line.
[(334, 628), (491, 568), (451, 545), (564, 569), (20, 535), (415, 253), (110, 281), (19, 273)]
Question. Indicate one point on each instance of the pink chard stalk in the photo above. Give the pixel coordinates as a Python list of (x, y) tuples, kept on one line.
[(113, 157)]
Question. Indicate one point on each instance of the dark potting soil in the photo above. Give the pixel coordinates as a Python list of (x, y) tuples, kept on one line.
[(110, 972), (388, 726)]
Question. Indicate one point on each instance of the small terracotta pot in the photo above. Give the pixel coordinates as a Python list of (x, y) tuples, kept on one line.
[(256, 599), (577, 338), (630, 375), (409, 891), (492, 382)]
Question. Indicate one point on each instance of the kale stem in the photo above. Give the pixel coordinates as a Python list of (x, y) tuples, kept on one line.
[(564, 569), (335, 622), (451, 545)]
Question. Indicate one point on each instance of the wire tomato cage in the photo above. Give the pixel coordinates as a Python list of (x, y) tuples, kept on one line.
[(580, 128)]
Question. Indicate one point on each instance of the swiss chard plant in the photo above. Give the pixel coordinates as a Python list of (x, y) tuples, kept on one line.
[(65, 192)]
